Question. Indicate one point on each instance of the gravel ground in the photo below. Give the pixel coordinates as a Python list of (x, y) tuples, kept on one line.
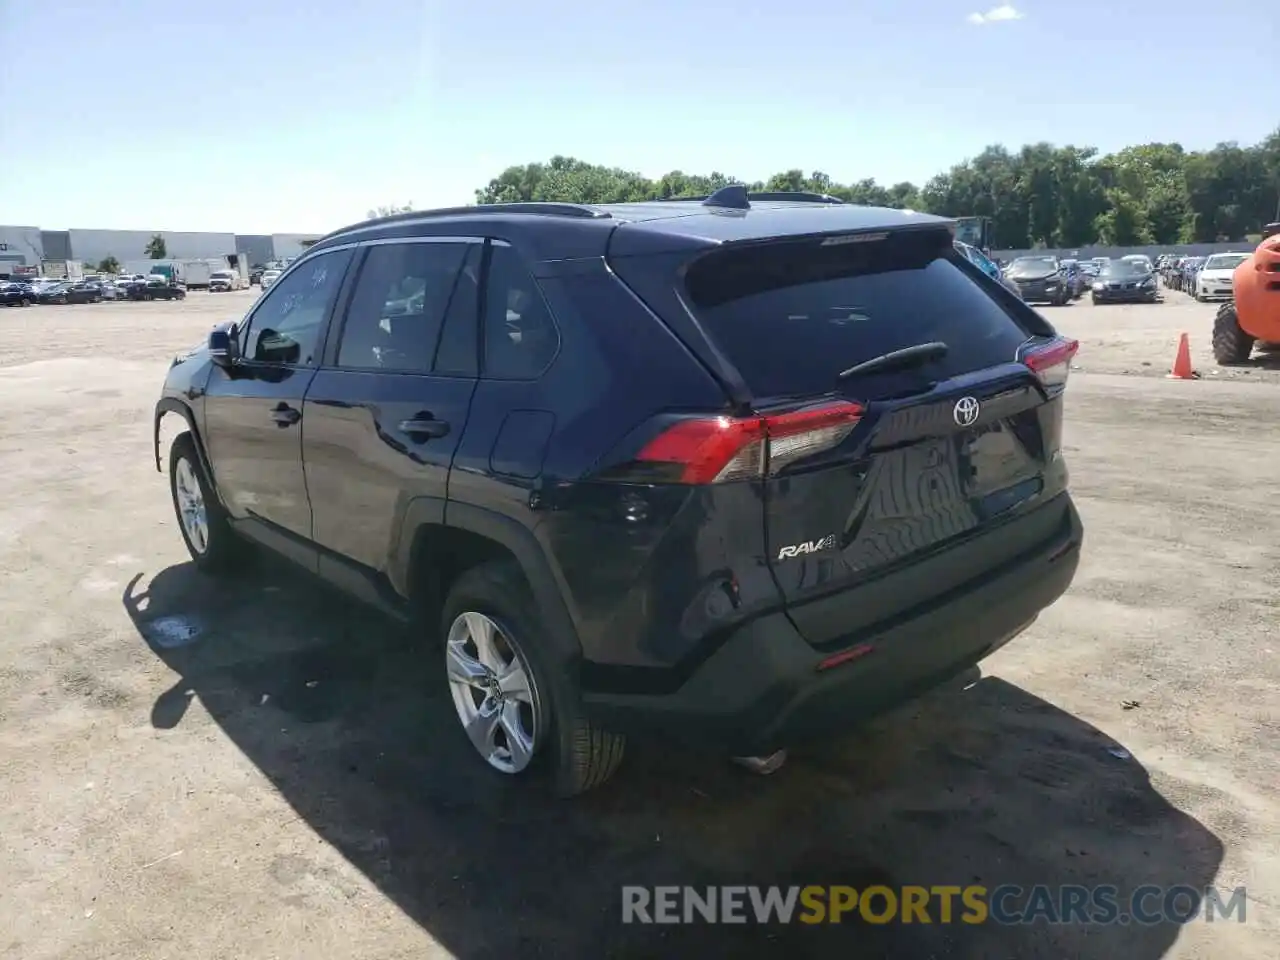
[(291, 783)]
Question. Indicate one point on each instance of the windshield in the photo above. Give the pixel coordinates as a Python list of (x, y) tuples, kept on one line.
[(1226, 261), (221, 275), (1124, 268), (1033, 266)]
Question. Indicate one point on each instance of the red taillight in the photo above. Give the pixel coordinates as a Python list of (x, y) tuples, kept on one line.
[(1052, 362), (716, 449)]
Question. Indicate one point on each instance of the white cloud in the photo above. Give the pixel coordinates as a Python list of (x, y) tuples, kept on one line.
[(996, 14)]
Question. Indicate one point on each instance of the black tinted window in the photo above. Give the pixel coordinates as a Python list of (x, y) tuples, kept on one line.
[(520, 338), (456, 353), (288, 324), (398, 306), (791, 316)]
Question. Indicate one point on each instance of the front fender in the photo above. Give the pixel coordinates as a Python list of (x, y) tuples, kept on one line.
[(174, 405)]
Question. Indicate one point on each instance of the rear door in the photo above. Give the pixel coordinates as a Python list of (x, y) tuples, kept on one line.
[(385, 413), (881, 510)]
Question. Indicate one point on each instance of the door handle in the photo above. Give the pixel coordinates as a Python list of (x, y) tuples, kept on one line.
[(284, 415), (424, 426)]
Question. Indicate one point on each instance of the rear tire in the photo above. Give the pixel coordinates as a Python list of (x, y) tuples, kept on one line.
[(1231, 345), (577, 754)]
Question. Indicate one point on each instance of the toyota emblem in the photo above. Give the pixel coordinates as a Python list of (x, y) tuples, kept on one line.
[(966, 411)]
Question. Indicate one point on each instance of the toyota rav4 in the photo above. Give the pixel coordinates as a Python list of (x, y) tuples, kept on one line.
[(740, 470)]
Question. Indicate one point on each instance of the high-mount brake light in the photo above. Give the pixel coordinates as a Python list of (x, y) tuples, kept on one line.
[(1051, 362), (718, 449)]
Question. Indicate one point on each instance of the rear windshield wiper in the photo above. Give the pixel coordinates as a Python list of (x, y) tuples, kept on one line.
[(903, 359)]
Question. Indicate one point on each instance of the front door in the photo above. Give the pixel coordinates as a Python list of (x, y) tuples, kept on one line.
[(253, 410), (386, 411)]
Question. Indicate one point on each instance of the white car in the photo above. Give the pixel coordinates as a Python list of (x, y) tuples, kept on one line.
[(221, 281), (269, 277), (1213, 282)]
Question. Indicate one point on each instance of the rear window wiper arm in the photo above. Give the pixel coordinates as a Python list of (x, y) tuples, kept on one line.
[(903, 359)]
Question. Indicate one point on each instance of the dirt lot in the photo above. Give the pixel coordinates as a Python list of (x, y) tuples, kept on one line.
[(290, 783)]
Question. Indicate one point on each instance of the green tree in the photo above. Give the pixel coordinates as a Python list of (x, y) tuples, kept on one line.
[(1038, 195), (109, 265), (1124, 224), (156, 248)]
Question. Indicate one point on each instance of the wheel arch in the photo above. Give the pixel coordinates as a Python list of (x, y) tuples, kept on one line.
[(439, 542), (172, 405)]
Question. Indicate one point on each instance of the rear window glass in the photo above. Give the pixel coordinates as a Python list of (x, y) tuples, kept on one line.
[(791, 316)]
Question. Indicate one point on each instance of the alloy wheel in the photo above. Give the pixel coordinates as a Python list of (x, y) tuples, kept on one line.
[(493, 691), (191, 508)]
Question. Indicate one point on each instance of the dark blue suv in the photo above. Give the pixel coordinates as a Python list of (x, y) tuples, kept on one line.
[(740, 470)]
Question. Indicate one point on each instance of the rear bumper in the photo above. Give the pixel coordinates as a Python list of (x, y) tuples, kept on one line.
[(763, 689)]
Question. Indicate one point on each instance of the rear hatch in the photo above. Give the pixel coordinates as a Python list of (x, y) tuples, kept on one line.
[(891, 486)]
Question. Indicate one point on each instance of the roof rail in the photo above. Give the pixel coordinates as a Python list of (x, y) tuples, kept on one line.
[(735, 196), (546, 209)]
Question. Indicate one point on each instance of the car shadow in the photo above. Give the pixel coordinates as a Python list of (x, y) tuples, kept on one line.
[(349, 719)]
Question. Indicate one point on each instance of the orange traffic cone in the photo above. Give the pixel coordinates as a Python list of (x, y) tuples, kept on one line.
[(1182, 361)]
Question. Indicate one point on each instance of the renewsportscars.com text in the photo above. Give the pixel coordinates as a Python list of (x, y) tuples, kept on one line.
[(1006, 904)]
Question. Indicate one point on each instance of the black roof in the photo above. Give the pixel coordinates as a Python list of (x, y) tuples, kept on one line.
[(561, 231)]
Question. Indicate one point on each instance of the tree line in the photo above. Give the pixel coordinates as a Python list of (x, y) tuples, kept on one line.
[(1039, 196)]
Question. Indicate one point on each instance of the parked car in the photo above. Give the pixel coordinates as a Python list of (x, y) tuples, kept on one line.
[(1040, 278), (1075, 278), (268, 278), (85, 291), (223, 281), (115, 289), (16, 294), (986, 265), (1143, 259), (255, 275), (156, 288), (838, 487), (1214, 281), (1125, 281), (1190, 268), (54, 293)]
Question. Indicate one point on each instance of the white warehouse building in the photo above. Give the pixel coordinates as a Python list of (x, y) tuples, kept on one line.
[(30, 245), (94, 246)]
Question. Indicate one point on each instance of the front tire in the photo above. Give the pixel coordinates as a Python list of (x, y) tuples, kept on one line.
[(206, 530), (512, 685), (1231, 345)]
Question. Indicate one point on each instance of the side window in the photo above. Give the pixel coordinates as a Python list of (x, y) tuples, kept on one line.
[(456, 354), (520, 337), (398, 307), (287, 325)]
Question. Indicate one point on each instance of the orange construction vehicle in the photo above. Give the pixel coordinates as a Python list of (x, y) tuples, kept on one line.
[(1253, 316)]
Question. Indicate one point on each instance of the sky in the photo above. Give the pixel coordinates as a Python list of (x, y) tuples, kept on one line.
[(261, 118)]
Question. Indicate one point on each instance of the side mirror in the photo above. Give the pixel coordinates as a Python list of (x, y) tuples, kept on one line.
[(224, 344)]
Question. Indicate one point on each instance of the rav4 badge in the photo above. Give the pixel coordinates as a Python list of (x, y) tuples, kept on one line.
[(809, 546)]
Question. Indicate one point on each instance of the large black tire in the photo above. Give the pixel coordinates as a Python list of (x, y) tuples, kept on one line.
[(1231, 345), (223, 548), (577, 755)]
